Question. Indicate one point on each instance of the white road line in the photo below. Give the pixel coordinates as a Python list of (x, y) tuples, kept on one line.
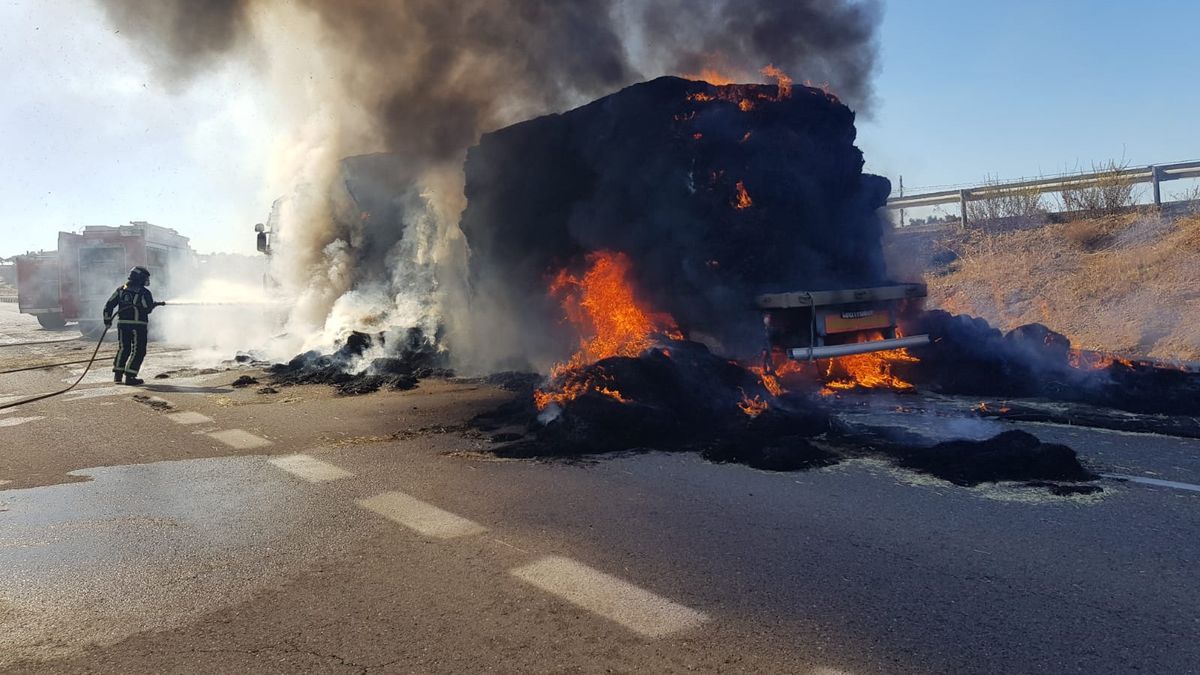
[(14, 421), (188, 417), (239, 439), (1154, 481), (309, 468), (637, 609), (416, 515)]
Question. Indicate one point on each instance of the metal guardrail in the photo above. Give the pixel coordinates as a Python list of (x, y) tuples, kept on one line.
[(1154, 174)]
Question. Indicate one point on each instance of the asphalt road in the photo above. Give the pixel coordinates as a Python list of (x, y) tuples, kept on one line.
[(221, 530)]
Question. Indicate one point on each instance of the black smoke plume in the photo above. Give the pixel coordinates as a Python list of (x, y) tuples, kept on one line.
[(423, 78)]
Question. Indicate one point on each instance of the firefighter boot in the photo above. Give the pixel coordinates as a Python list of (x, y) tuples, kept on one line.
[(133, 381), (117, 377)]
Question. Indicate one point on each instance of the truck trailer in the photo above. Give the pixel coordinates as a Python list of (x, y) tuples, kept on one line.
[(811, 325)]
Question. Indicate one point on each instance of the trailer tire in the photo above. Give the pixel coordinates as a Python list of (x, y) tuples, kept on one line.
[(54, 321), (90, 329)]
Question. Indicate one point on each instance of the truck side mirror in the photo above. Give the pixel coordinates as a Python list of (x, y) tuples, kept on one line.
[(262, 242)]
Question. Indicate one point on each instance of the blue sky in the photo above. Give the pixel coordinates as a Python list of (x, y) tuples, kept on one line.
[(1020, 88), (966, 90)]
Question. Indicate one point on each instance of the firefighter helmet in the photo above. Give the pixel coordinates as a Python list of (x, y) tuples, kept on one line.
[(140, 275)]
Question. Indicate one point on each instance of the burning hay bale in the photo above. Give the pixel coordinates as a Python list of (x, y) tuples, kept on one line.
[(352, 371), (678, 396), (712, 193)]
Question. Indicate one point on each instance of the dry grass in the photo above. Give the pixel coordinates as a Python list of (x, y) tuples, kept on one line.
[(1128, 284)]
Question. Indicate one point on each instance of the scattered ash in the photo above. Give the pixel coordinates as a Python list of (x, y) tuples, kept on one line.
[(268, 390), (513, 380), (410, 361), (154, 402), (1074, 414), (243, 381), (1068, 490), (187, 372)]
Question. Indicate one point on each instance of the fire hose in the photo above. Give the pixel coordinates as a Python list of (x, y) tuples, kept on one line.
[(73, 384), (82, 375), (39, 342)]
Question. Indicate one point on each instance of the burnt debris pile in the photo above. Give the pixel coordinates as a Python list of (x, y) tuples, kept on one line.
[(1010, 456), (679, 396), (354, 369), (970, 357), (682, 397), (715, 193)]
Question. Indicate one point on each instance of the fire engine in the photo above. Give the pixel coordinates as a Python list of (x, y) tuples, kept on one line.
[(72, 283)]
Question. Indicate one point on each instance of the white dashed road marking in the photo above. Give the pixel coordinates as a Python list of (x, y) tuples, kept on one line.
[(98, 392), (416, 515), (188, 417), (637, 609), (310, 469), (1154, 481), (239, 439), (14, 421)]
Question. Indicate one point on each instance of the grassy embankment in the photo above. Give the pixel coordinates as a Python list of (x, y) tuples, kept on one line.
[(1128, 284)]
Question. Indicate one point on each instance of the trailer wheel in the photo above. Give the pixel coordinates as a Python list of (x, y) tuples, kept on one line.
[(53, 321), (90, 329)]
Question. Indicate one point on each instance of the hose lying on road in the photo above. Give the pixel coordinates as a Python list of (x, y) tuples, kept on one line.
[(40, 342), (56, 364), (76, 382)]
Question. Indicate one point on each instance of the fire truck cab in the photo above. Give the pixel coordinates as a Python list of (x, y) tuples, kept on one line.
[(73, 283), (810, 325)]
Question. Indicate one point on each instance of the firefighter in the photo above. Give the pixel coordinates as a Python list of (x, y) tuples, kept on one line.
[(133, 304)]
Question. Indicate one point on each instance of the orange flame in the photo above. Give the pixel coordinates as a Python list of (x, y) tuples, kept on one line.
[(711, 76), (752, 406), (610, 319), (743, 198), (781, 78), (1088, 360), (868, 371)]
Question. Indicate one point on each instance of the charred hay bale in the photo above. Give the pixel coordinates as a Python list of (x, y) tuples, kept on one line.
[(776, 440), (970, 357), (411, 358), (1011, 456)]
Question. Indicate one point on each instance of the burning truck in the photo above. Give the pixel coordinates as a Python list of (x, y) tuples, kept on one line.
[(738, 215), (696, 266)]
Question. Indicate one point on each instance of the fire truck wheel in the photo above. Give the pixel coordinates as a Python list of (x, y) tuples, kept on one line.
[(91, 329), (53, 321)]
